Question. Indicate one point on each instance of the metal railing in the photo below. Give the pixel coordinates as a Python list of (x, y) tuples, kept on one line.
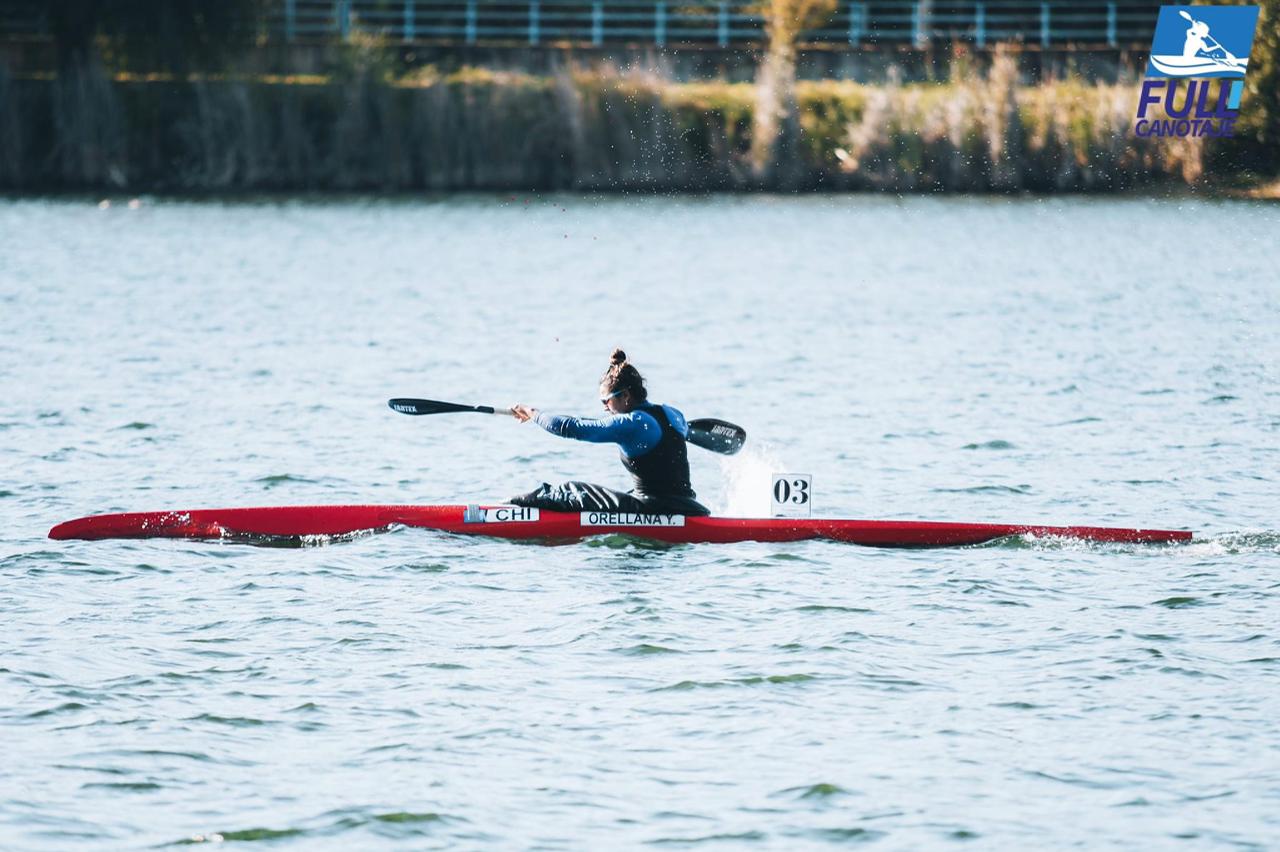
[(23, 19), (723, 23)]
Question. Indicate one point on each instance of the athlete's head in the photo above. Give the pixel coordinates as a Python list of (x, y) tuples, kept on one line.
[(1199, 28), (621, 386)]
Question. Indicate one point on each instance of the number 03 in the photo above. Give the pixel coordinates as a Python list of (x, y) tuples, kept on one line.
[(796, 491)]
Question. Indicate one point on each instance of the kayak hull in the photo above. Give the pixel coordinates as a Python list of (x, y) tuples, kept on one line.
[(512, 522), (1198, 66)]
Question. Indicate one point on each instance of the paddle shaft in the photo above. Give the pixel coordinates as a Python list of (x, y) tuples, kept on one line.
[(718, 436)]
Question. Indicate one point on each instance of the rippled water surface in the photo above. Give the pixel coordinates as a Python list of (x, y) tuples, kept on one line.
[(1059, 361)]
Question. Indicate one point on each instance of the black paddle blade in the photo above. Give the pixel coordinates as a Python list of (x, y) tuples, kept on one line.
[(431, 406), (718, 436)]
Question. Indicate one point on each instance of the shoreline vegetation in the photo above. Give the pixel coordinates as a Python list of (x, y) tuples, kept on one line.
[(364, 129), (101, 120)]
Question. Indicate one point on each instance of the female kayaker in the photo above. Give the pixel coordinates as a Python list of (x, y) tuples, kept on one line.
[(651, 439)]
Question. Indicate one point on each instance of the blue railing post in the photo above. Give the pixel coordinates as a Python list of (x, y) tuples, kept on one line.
[(290, 20), (1111, 24), (660, 24), (855, 23), (1044, 24), (722, 24), (980, 25), (344, 19), (408, 20), (471, 22), (597, 23), (533, 21), (915, 24)]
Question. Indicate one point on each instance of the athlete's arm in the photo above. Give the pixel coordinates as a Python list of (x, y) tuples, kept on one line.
[(635, 432)]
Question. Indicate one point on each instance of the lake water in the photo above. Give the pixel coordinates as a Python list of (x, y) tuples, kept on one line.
[(1067, 361)]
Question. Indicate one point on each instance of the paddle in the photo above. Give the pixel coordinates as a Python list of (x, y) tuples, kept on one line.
[(431, 406), (718, 436)]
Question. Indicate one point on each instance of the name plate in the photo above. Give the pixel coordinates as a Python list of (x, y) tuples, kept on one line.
[(630, 519)]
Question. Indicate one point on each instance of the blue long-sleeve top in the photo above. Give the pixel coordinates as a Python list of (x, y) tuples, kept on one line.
[(636, 432)]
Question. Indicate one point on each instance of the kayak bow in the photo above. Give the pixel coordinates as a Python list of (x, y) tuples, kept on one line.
[(514, 522)]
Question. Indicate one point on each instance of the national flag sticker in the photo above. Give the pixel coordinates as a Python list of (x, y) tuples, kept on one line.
[(1202, 41)]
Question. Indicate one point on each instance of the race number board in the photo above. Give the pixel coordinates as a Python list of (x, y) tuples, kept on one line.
[(792, 495)]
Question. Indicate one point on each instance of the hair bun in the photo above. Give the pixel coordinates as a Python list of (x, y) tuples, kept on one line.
[(623, 376)]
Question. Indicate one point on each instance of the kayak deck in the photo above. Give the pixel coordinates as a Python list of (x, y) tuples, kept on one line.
[(513, 522)]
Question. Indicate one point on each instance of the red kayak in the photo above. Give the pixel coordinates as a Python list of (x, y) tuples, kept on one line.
[(514, 522)]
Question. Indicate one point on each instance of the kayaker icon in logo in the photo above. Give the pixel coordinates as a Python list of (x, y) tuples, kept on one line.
[(1202, 41)]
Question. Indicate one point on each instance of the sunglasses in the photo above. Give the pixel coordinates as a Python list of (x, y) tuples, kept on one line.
[(604, 400)]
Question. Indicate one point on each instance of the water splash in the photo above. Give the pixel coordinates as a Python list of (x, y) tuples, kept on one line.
[(748, 477), (1233, 543)]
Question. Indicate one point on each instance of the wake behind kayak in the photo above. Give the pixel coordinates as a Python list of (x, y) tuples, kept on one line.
[(521, 523)]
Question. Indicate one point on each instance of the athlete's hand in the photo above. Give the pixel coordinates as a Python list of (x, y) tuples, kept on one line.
[(523, 412)]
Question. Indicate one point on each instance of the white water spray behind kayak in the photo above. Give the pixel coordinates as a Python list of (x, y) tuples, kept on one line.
[(748, 476)]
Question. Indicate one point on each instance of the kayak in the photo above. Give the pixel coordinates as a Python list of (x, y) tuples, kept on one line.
[(515, 522), (1197, 66)]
